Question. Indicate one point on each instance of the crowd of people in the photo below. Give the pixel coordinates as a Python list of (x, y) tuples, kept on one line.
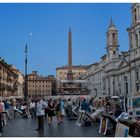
[(35, 108), (4, 113), (41, 108)]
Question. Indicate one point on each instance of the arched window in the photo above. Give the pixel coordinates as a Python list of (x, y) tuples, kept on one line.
[(114, 52), (113, 38), (135, 15), (136, 40)]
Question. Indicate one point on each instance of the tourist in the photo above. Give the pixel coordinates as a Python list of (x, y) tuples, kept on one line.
[(62, 109), (46, 109), (2, 109), (58, 111), (32, 109), (69, 103), (7, 105), (51, 111), (83, 105), (40, 107), (116, 112), (107, 105)]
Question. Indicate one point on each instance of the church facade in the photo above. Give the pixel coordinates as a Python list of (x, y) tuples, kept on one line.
[(118, 73)]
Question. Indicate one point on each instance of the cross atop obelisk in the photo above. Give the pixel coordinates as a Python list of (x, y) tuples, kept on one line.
[(69, 74)]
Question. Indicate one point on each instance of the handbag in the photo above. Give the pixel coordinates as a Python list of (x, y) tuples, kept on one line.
[(63, 112)]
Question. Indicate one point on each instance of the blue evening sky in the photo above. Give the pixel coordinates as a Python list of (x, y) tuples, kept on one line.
[(44, 27)]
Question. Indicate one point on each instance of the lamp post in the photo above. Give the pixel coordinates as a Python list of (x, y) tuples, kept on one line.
[(26, 76)]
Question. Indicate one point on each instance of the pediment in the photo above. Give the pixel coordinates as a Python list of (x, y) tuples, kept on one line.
[(122, 63)]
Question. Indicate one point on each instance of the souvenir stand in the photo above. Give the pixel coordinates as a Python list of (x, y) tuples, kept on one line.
[(130, 127), (80, 119), (97, 109), (71, 112)]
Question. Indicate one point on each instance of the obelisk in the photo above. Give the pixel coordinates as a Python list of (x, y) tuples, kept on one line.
[(69, 74)]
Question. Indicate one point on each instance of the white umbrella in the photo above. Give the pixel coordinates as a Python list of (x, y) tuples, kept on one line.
[(114, 97), (96, 99)]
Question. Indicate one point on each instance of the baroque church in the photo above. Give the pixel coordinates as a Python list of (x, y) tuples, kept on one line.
[(118, 73)]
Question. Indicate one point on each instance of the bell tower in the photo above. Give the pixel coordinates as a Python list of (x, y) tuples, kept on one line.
[(112, 42), (134, 29)]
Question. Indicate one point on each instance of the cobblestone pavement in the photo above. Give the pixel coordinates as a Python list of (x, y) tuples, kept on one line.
[(21, 127)]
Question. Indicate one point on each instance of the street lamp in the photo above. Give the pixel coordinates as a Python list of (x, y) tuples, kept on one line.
[(26, 76)]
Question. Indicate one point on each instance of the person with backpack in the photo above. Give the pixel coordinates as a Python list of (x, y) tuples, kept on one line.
[(62, 107), (58, 111)]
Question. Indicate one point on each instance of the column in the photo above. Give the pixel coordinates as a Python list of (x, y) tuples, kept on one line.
[(130, 39), (139, 77), (111, 86), (129, 83), (133, 41), (116, 39), (138, 38), (133, 81), (133, 16), (109, 39), (137, 13), (107, 85)]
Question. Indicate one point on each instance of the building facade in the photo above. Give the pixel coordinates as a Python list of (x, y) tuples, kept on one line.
[(61, 72), (38, 85), (117, 73), (8, 80), (20, 83)]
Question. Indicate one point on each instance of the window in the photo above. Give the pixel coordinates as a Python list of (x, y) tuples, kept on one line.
[(113, 38), (126, 86), (136, 36), (125, 78), (114, 52), (119, 88), (135, 16), (137, 75), (137, 87)]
